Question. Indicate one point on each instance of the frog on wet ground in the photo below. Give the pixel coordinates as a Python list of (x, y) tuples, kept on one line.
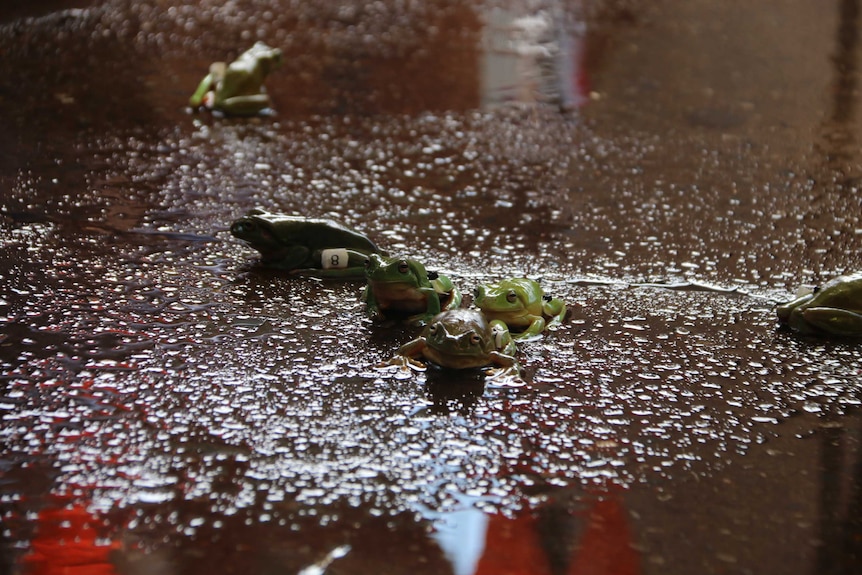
[(403, 287), (308, 246), (521, 304), (237, 88), (835, 308), (462, 339)]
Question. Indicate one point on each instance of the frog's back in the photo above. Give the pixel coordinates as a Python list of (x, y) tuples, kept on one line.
[(843, 292), (462, 320), (321, 233)]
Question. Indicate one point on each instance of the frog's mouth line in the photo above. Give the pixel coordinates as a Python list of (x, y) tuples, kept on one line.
[(513, 312), (447, 358), (393, 286)]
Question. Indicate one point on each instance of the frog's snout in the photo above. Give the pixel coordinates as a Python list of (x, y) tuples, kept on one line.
[(242, 228)]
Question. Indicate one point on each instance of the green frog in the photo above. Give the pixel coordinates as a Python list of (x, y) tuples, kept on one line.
[(835, 308), (462, 339), (521, 304), (307, 246), (237, 88), (398, 286)]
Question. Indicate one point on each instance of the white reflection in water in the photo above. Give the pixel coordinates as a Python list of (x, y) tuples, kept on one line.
[(531, 58)]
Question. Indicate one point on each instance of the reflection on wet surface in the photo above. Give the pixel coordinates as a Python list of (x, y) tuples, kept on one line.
[(170, 406)]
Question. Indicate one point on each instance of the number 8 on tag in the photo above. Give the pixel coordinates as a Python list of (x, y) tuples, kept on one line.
[(335, 258)]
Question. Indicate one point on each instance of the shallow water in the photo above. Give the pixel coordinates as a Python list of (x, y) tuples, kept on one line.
[(168, 405)]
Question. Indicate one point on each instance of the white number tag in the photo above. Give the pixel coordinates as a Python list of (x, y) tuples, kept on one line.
[(334, 259)]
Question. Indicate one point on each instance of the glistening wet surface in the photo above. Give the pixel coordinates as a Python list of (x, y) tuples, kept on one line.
[(670, 169)]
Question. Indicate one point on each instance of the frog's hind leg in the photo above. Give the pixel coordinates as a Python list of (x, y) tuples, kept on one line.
[(339, 263), (835, 321), (244, 105)]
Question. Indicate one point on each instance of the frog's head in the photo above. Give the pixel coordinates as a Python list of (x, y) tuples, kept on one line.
[(259, 229), (500, 297), (834, 308), (785, 310), (269, 58), (384, 269), (460, 333)]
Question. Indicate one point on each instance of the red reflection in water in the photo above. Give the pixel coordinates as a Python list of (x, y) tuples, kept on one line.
[(67, 542), (515, 546), (605, 548)]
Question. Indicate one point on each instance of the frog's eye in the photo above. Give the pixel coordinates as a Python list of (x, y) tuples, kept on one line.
[(475, 339), (476, 293), (243, 227), (433, 328), (367, 262), (403, 267), (511, 297)]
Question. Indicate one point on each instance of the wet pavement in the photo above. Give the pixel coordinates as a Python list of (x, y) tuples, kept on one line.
[(670, 169)]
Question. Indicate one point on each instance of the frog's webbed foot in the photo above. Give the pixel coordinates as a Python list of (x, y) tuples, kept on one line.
[(508, 376), (403, 363)]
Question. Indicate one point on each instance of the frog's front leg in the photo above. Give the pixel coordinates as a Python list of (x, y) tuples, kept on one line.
[(292, 258), (503, 341), (536, 327), (835, 321), (785, 310), (555, 309), (507, 373), (372, 307), (449, 295), (406, 356), (204, 87), (452, 300), (209, 83), (432, 306)]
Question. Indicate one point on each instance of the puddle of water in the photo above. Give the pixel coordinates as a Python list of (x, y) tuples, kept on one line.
[(174, 395)]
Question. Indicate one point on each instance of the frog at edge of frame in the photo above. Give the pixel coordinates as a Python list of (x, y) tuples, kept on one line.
[(521, 304), (237, 88), (305, 246), (835, 308), (403, 287)]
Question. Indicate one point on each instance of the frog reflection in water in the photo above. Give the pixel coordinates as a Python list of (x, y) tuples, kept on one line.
[(308, 246), (398, 286), (462, 339), (521, 304), (833, 309), (237, 88)]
